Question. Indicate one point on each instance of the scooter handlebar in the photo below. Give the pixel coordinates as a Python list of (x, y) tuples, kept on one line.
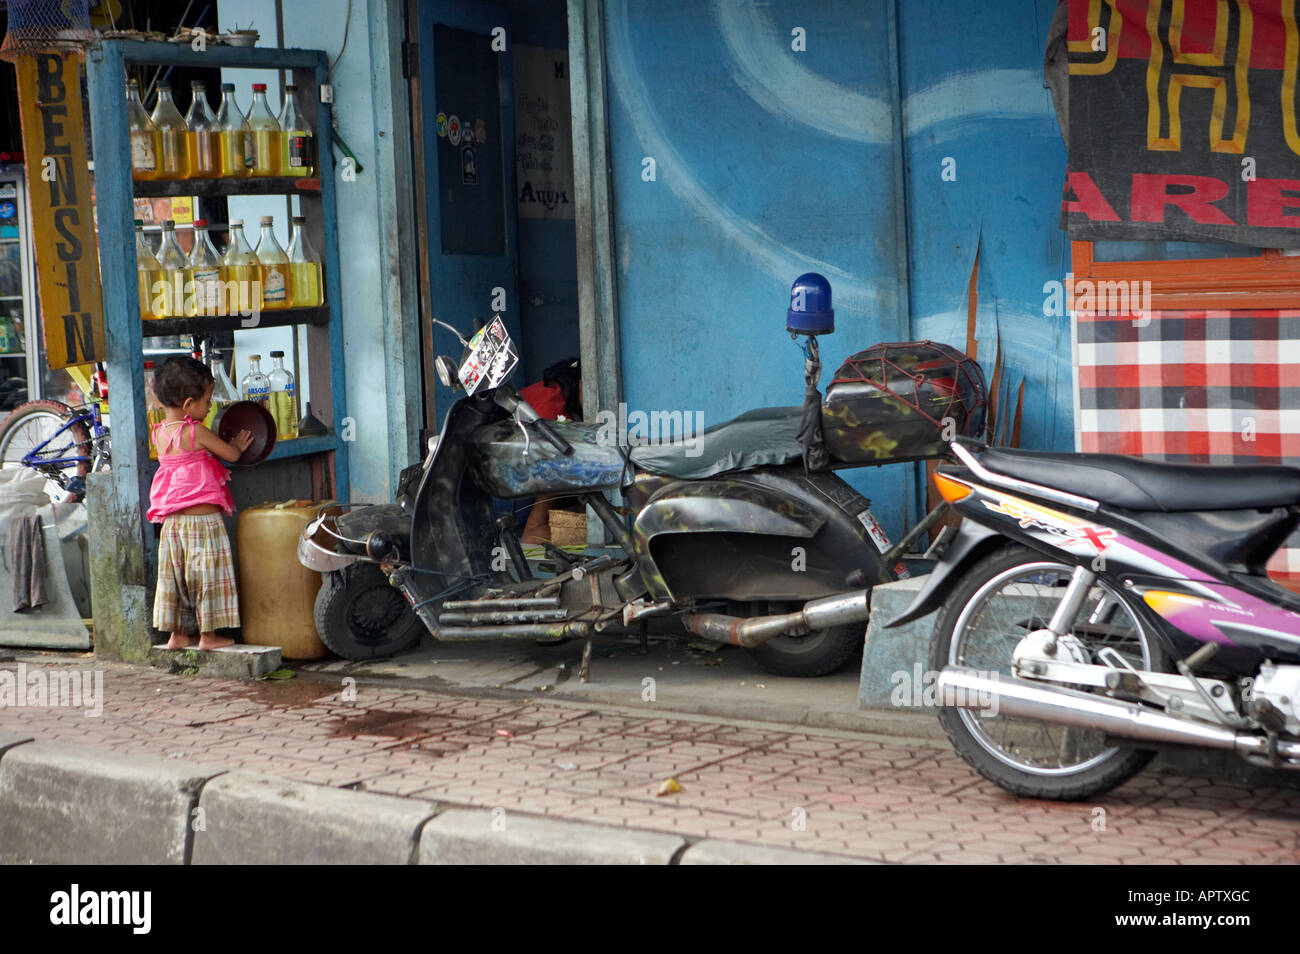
[(556, 441)]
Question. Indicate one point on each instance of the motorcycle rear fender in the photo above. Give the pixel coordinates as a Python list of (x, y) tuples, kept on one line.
[(694, 524), (971, 542)]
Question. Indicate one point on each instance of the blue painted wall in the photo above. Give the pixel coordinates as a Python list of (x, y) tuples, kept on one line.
[(973, 91), (769, 163), (772, 162)]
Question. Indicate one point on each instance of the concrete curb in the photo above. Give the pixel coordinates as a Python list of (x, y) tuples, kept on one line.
[(252, 819), (498, 837), (63, 804)]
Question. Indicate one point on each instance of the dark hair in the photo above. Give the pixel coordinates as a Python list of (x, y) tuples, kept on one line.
[(566, 375), (181, 379)]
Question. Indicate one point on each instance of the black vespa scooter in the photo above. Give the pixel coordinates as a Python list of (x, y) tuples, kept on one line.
[(742, 535)]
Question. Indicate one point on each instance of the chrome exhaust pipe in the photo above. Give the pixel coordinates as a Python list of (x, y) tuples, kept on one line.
[(968, 689), (755, 631)]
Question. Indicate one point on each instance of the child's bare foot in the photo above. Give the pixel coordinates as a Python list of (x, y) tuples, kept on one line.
[(213, 641), (180, 641)]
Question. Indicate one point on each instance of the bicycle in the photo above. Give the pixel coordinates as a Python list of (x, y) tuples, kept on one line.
[(60, 442)]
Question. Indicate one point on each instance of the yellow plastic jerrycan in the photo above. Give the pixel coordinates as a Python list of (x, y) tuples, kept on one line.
[(277, 594)]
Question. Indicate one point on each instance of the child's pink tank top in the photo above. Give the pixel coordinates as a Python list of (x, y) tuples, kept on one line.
[(186, 478)]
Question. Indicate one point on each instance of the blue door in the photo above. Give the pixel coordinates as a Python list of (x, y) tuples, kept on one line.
[(468, 133)]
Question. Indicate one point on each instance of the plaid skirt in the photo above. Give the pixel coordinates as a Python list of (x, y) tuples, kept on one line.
[(196, 576)]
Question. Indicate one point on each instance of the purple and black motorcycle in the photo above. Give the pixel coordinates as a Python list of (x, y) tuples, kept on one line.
[(1095, 607)]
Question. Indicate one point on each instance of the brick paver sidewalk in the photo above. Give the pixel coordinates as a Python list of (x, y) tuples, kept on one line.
[(830, 792)]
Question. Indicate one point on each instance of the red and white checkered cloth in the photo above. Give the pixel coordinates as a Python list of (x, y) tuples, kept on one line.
[(1211, 387)]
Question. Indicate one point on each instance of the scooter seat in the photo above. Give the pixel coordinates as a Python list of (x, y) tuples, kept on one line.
[(1137, 484), (765, 437)]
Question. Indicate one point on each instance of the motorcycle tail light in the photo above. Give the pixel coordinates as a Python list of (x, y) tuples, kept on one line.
[(950, 489)]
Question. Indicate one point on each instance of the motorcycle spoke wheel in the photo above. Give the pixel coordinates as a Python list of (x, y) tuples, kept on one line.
[(1000, 601)]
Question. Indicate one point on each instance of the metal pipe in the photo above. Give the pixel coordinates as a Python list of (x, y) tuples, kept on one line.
[(524, 631), (968, 689), (479, 618), (1013, 483), (756, 630), (503, 602), (930, 519)]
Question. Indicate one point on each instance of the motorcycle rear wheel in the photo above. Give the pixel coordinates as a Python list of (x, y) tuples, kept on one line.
[(980, 624)]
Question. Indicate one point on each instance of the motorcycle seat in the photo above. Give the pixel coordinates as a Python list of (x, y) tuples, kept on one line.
[(1136, 484), (760, 438)]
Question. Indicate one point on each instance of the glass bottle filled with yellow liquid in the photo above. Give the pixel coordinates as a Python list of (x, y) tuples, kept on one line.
[(144, 137), (153, 300), (224, 391), (264, 129), (201, 131), (173, 263), (284, 400), (203, 288), (306, 289), (173, 156), (232, 134), (241, 267), (274, 266), (297, 143)]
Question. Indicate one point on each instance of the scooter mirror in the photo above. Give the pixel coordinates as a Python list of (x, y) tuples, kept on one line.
[(446, 370)]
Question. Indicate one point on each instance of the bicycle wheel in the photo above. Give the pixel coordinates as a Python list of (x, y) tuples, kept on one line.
[(64, 460)]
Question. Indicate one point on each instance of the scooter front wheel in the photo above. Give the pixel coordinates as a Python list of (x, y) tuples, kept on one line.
[(359, 615)]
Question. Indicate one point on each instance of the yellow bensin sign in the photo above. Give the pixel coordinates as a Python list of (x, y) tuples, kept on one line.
[(54, 143)]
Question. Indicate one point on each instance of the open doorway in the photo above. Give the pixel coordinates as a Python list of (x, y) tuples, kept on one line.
[(492, 134)]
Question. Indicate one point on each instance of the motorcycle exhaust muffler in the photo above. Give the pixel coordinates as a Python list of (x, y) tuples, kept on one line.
[(1006, 695), (756, 630)]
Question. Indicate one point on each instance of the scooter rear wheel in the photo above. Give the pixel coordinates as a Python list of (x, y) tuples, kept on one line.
[(819, 653), (359, 615)]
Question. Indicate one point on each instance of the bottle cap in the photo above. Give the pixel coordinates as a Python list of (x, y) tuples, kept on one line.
[(139, 223), (290, 87), (164, 86), (198, 84), (227, 87), (267, 220), (299, 219), (169, 224), (277, 354), (148, 365), (236, 223), (259, 87), (254, 357), (200, 223)]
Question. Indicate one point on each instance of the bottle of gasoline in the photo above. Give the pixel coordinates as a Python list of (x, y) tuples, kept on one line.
[(284, 401)]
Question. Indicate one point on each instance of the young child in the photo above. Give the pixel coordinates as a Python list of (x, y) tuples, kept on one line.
[(189, 497)]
